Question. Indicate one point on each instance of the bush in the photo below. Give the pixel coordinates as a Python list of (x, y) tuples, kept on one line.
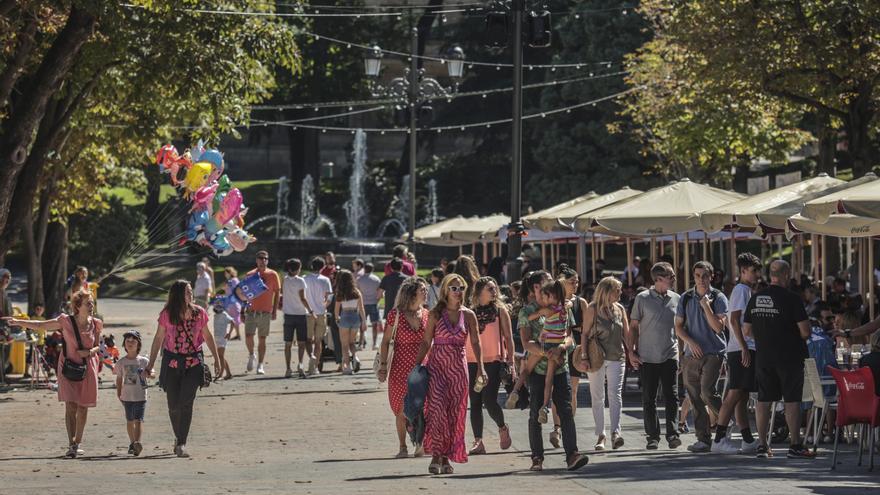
[(97, 238)]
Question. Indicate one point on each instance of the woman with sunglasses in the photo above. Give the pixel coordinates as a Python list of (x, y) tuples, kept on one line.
[(496, 342), (449, 325), (571, 284)]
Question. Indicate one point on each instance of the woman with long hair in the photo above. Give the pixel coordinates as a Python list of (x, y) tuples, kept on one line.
[(496, 342), (350, 317), (181, 332), (605, 319), (449, 325), (466, 267), (410, 318), (82, 334)]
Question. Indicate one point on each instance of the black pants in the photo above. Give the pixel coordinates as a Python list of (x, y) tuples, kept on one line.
[(653, 376), (180, 391), (562, 400), (487, 397), (334, 332)]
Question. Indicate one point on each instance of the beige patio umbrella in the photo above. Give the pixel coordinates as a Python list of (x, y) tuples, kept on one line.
[(745, 213), (475, 229), (855, 200), (670, 209), (433, 234), (837, 225), (531, 220), (561, 218)]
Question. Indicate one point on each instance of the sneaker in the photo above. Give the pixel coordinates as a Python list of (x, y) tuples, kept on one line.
[(346, 370), (478, 448), (543, 414), (749, 448), (576, 461), (131, 449), (554, 438), (616, 441), (512, 399), (357, 365), (138, 448), (683, 428), (312, 361), (72, 451), (537, 464), (261, 370), (600, 443), (252, 360), (762, 452), (504, 435), (288, 373), (699, 446), (653, 444), (674, 443), (800, 452), (725, 446)]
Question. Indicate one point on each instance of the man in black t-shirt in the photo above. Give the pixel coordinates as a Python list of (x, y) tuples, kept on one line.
[(390, 284), (776, 318)]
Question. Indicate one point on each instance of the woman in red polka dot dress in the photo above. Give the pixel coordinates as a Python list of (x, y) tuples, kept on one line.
[(410, 303)]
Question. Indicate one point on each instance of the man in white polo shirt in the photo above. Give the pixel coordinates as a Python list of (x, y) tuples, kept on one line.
[(318, 292)]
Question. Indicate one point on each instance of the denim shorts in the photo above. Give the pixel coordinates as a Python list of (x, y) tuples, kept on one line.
[(350, 319), (134, 410), (372, 311)]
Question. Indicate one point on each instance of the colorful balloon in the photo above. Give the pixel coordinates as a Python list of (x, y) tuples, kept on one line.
[(230, 206), (203, 198), (196, 177), (238, 238), (196, 224), (250, 288), (197, 150)]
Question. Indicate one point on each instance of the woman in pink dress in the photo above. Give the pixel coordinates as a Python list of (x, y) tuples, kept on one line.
[(449, 325), (78, 396), (181, 333), (409, 302)]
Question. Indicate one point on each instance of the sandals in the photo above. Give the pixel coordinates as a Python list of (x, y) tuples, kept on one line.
[(434, 467), (446, 468), (402, 454), (600, 443), (440, 465)]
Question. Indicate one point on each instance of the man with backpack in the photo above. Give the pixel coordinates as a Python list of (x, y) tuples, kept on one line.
[(699, 323)]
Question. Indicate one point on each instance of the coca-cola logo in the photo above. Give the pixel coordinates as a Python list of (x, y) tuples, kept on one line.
[(855, 386), (864, 229), (655, 230)]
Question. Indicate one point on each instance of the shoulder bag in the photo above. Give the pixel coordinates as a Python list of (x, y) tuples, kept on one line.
[(206, 371), (377, 361), (73, 371), (595, 353)]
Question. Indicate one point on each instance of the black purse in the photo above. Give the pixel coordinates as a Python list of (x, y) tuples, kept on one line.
[(207, 378), (73, 371)]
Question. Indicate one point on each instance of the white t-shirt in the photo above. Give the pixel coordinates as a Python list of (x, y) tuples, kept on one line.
[(739, 299), (203, 284), (291, 304), (132, 388), (317, 288)]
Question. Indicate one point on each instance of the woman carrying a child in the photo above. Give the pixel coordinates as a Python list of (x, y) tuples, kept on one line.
[(605, 319)]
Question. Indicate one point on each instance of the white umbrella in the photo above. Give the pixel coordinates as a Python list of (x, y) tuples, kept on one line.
[(859, 198), (560, 216)]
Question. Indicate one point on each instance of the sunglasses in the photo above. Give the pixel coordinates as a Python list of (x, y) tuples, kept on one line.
[(456, 288), (263, 258)]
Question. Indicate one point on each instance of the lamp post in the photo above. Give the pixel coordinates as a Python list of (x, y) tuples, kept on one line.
[(413, 90)]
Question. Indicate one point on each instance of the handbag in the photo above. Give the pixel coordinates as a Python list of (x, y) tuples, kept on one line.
[(595, 353), (377, 361), (206, 371), (73, 371)]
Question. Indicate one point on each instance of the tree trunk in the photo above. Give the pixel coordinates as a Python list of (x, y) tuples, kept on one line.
[(858, 126), (18, 128), (14, 68), (154, 188), (827, 143), (34, 266), (741, 178), (55, 267)]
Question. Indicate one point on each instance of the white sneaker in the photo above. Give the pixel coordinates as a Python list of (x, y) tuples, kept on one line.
[(699, 446), (252, 359), (260, 370), (725, 446), (288, 373), (749, 448), (312, 363)]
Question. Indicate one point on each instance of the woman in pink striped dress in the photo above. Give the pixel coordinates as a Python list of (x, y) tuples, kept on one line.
[(449, 325)]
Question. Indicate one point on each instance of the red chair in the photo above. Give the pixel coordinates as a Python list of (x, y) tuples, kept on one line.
[(857, 405)]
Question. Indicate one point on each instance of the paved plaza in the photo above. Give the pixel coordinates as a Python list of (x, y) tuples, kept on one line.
[(334, 434)]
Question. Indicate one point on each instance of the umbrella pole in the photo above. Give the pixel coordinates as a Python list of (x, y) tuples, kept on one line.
[(544, 255), (863, 266), (675, 261), (629, 257), (732, 250), (814, 269), (485, 253), (593, 255), (705, 246), (602, 248), (653, 250), (460, 250), (870, 265), (687, 259), (552, 256), (824, 267), (582, 256)]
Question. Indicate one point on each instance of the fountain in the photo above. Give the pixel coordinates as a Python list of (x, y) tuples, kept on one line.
[(356, 207), (282, 229), (399, 213), (307, 205), (432, 217), (310, 221)]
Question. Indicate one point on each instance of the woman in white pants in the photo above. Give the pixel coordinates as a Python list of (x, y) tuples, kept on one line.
[(605, 318)]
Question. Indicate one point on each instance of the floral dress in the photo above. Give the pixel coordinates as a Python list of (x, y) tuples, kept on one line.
[(446, 405)]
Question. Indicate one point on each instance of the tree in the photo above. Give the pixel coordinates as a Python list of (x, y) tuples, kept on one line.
[(696, 129), (821, 54)]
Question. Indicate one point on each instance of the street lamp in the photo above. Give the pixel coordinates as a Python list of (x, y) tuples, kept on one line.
[(414, 91)]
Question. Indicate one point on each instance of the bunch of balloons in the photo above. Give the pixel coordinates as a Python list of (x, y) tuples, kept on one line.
[(216, 218)]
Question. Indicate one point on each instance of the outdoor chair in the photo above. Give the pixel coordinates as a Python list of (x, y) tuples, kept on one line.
[(857, 405)]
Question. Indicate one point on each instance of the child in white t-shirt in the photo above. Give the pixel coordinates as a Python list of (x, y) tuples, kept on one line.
[(131, 387)]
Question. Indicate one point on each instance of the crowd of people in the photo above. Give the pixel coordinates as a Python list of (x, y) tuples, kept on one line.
[(461, 335)]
